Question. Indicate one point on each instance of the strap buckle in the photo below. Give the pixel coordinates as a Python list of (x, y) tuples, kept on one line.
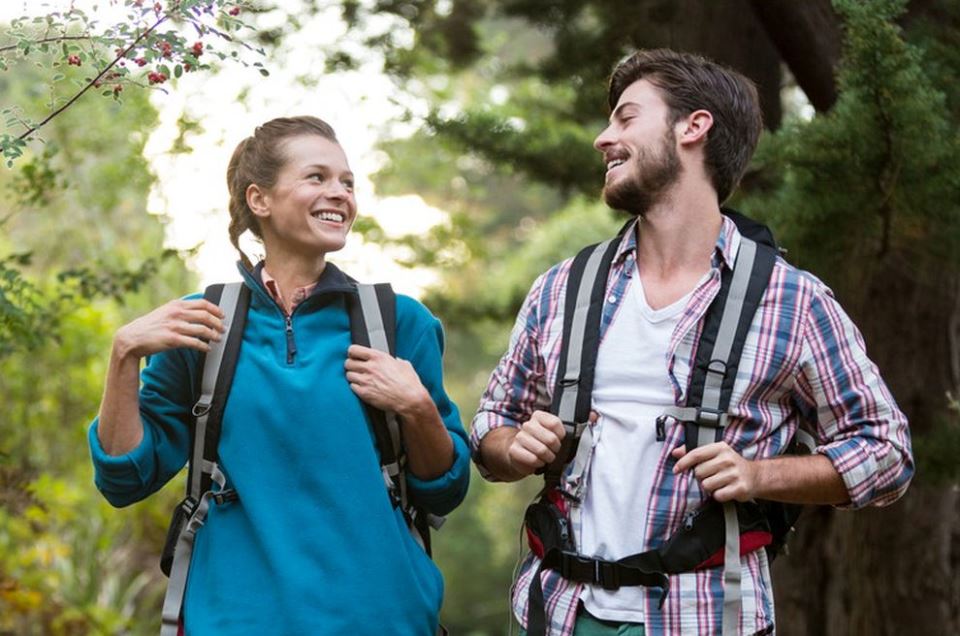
[(225, 496), (568, 565), (607, 574), (711, 418)]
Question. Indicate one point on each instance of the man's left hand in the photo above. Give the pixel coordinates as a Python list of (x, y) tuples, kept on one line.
[(721, 471)]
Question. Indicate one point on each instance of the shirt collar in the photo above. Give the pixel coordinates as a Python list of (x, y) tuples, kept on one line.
[(725, 250), (332, 279)]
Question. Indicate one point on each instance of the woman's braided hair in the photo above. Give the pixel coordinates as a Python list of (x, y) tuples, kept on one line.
[(258, 159)]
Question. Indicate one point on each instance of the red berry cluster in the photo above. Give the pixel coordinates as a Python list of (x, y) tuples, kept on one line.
[(141, 61), (234, 11), (156, 77), (197, 49), (166, 49), (73, 60)]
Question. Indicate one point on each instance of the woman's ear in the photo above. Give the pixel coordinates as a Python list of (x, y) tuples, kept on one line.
[(258, 201)]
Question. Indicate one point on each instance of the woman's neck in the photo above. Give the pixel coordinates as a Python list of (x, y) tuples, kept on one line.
[(293, 273)]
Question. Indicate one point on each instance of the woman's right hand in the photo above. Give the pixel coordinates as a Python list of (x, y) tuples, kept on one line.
[(178, 323)]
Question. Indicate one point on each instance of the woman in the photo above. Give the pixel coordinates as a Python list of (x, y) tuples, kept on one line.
[(313, 545)]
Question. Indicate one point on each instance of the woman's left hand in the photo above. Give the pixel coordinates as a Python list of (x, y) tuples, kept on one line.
[(385, 382)]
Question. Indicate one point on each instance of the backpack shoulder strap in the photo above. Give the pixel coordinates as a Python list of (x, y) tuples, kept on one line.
[(218, 367), (582, 313), (720, 346), (373, 323)]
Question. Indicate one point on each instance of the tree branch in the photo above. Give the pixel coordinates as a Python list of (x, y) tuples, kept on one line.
[(59, 38), (95, 80)]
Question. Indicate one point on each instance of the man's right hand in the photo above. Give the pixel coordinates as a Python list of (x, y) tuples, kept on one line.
[(513, 452), (537, 443)]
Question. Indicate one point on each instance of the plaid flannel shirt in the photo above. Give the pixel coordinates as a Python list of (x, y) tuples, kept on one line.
[(804, 364)]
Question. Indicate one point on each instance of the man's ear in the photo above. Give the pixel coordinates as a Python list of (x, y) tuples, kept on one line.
[(257, 201), (693, 128)]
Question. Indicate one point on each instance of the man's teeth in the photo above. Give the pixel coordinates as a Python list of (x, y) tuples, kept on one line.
[(336, 217), (613, 164)]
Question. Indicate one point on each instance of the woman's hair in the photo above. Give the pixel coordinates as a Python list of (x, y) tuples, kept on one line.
[(258, 159)]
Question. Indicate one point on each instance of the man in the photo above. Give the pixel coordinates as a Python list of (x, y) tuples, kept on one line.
[(680, 135)]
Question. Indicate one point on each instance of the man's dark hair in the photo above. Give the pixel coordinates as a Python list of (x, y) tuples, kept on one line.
[(691, 82)]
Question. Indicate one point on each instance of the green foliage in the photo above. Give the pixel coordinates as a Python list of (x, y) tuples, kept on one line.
[(881, 166), (936, 452), (80, 55), (75, 240)]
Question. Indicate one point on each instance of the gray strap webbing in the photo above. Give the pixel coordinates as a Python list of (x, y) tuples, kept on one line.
[(177, 585), (394, 473), (712, 387), (690, 414), (377, 333), (211, 371), (731, 570), (732, 309), (570, 385)]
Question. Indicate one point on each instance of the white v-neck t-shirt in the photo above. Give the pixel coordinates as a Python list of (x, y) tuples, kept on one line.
[(631, 389)]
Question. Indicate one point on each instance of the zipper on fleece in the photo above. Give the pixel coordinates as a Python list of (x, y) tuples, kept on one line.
[(291, 343)]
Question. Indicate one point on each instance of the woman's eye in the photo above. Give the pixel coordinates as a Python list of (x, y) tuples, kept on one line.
[(316, 176), (347, 184)]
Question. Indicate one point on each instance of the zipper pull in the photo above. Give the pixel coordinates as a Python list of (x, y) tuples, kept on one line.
[(661, 428), (291, 343)]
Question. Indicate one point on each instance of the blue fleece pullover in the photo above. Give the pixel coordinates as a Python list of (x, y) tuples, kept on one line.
[(313, 546)]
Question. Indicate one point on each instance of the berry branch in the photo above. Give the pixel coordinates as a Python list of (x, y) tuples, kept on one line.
[(96, 80)]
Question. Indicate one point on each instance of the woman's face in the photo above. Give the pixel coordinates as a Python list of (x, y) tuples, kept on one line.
[(311, 207)]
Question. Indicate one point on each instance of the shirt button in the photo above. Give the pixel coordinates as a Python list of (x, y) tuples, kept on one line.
[(611, 298)]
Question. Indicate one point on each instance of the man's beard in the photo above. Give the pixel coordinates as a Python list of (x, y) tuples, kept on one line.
[(652, 178)]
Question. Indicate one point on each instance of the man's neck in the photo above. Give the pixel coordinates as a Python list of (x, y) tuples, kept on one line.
[(675, 243)]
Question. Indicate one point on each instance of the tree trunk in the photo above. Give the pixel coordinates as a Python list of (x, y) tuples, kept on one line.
[(727, 32), (893, 570), (807, 35)]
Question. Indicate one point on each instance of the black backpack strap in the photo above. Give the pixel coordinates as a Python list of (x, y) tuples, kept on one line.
[(582, 313), (720, 347), (373, 323), (217, 369), (704, 417)]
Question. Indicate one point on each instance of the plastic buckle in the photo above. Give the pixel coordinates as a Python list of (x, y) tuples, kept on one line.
[(189, 505), (568, 560), (225, 496), (711, 418), (607, 575)]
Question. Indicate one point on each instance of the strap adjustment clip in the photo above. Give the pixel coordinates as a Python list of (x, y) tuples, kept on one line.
[(225, 496), (710, 418), (202, 407)]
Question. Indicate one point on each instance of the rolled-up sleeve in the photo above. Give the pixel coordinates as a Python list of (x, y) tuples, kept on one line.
[(165, 402), (517, 385), (444, 493), (860, 428)]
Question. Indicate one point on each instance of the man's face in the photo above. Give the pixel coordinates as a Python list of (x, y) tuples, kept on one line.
[(640, 150)]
